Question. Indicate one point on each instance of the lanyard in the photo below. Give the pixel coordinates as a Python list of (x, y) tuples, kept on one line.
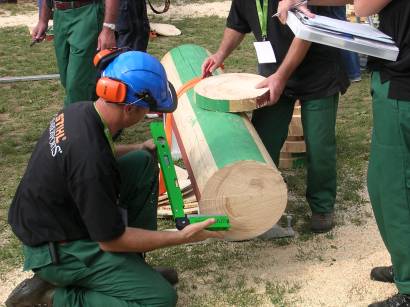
[(106, 132), (263, 17)]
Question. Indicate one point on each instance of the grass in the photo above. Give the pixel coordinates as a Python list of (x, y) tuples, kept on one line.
[(212, 273)]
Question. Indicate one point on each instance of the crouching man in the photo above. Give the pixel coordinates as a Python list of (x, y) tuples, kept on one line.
[(85, 210)]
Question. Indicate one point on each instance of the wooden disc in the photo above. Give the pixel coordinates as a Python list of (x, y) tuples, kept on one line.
[(165, 29), (234, 92), (252, 194)]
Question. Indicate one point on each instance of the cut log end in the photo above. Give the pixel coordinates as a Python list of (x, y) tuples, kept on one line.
[(243, 191), (234, 92)]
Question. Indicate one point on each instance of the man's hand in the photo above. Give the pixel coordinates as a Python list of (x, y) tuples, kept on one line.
[(39, 31), (276, 85), (285, 5), (148, 145), (106, 39), (210, 64), (196, 232)]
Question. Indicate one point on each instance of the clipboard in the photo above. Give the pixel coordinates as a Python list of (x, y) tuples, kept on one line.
[(344, 35)]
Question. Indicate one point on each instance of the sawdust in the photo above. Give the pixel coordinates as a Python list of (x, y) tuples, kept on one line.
[(331, 271), (7, 20)]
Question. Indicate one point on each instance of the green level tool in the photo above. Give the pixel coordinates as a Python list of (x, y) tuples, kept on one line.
[(171, 183)]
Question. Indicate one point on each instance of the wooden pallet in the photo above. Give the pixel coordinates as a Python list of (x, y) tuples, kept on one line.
[(293, 152)]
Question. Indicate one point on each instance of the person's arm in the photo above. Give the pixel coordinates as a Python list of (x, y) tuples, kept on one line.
[(231, 39), (277, 81), (141, 240), (122, 149), (106, 39), (39, 31), (285, 5), (365, 8), (362, 8)]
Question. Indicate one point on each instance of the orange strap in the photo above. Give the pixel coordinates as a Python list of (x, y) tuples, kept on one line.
[(187, 86)]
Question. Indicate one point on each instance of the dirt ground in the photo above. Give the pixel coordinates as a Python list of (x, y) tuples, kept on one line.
[(327, 271)]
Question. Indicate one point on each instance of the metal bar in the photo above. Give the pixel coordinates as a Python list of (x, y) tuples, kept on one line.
[(29, 78)]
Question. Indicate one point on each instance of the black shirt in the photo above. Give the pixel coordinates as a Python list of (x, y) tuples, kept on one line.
[(395, 21), (319, 75), (70, 189)]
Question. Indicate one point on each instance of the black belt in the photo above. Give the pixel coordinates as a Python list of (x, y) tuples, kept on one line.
[(66, 5)]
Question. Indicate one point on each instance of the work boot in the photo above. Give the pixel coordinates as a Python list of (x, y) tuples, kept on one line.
[(321, 222), (382, 273), (398, 300), (31, 292), (170, 274)]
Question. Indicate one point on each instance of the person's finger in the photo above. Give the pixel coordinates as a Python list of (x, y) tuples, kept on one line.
[(206, 223), (262, 84), (283, 16), (306, 11), (206, 67)]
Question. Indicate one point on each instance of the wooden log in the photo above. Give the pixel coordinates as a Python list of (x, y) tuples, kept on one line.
[(289, 160), (230, 169), (234, 92)]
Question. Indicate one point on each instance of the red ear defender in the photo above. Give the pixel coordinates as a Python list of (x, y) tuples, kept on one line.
[(111, 90), (105, 56)]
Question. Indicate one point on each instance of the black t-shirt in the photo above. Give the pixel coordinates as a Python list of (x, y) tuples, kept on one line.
[(70, 189), (395, 21), (319, 75)]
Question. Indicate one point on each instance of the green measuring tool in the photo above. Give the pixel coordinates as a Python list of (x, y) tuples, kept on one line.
[(171, 183)]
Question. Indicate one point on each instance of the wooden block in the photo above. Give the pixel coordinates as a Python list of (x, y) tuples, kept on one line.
[(164, 29), (291, 160), (294, 146), (295, 126), (234, 92)]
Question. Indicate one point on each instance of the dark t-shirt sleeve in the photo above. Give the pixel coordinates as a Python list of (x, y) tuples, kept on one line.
[(236, 20)]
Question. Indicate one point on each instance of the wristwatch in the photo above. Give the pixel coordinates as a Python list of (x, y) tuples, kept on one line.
[(110, 26)]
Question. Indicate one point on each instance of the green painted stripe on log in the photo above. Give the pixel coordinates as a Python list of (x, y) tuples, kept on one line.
[(188, 60), (212, 104)]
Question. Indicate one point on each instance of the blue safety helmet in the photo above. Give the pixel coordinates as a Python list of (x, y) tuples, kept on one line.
[(146, 81)]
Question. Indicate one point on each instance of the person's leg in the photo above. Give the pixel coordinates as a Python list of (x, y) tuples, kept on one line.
[(389, 178), (61, 46), (351, 64), (133, 25), (87, 276), (85, 26), (318, 121), (272, 124), (139, 188)]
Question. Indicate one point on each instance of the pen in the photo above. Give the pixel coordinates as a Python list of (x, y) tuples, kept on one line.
[(294, 6)]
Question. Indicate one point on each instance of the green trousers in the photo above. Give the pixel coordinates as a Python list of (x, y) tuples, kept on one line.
[(319, 121), (88, 276), (389, 178), (75, 41)]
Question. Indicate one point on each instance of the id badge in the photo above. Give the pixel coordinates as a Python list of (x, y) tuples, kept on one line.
[(264, 52)]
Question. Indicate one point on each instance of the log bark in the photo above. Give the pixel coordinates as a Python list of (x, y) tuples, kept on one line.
[(230, 169)]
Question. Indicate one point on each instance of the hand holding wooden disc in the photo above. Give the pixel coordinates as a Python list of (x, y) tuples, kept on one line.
[(233, 92)]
